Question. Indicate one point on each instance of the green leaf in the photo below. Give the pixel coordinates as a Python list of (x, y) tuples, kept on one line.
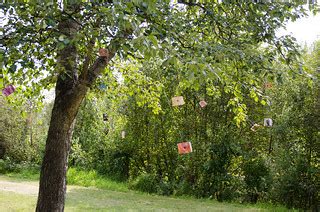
[(13, 68), (154, 40)]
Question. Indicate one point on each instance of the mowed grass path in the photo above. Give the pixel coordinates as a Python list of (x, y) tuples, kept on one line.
[(93, 199)]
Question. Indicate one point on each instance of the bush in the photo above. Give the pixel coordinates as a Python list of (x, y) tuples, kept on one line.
[(145, 183), (299, 187), (183, 188), (231, 190), (114, 164), (165, 188), (257, 179), (2, 166), (78, 157), (24, 170)]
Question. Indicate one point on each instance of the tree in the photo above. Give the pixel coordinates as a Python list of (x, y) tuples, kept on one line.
[(57, 43)]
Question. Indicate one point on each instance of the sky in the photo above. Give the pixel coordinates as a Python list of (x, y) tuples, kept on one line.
[(305, 30)]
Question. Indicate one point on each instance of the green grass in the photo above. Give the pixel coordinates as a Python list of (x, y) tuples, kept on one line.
[(106, 195), (10, 201), (91, 178), (270, 207), (125, 201), (91, 199), (74, 177), (24, 174)]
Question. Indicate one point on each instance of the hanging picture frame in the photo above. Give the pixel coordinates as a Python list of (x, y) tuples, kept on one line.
[(203, 103), (268, 85), (184, 147), (177, 101), (103, 52), (8, 90), (267, 122)]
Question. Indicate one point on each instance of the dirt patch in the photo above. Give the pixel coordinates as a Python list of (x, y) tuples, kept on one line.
[(24, 187), (30, 188)]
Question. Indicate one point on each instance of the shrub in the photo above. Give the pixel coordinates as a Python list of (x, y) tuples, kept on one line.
[(24, 170), (165, 188), (257, 179), (145, 183), (78, 157), (183, 188), (299, 187), (2, 167), (114, 164)]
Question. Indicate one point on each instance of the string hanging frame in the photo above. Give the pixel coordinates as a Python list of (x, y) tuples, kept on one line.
[(184, 147), (8, 90)]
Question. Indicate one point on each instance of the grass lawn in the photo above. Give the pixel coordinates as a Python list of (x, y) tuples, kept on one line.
[(93, 199), (90, 199)]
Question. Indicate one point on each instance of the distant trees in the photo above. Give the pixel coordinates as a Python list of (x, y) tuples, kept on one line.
[(23, 128), (228, 162)]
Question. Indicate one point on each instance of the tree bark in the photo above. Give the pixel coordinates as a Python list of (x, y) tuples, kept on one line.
[(70, 91), (54, 166), (55, 162), (69, 95)]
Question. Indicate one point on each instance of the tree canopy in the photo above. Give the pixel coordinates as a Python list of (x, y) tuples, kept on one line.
[(187, 35)]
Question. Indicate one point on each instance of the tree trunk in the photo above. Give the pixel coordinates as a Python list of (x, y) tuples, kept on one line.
[(70, 91), (69, 95), (54, 166)]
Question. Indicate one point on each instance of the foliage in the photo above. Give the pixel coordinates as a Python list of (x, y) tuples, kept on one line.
[(95, 140), (78, 156), (228, 162), (23, 130), (145, 183), (257, 178), (221, 51), (299, 186), (296, 178), (21, 170), (145, 30), (93, 179), (114, 164)]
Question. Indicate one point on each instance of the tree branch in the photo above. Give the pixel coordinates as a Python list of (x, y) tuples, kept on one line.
[(97, 67), (190, 3), (84, 72), (87, 78)]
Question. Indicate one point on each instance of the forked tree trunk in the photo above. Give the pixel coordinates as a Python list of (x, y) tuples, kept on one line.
[(54, 166), (70, 91), (69, 95)]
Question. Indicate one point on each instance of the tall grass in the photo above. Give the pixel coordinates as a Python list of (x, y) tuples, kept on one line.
[(20, 171), (25, 174), (91, 178), (74, 176)]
